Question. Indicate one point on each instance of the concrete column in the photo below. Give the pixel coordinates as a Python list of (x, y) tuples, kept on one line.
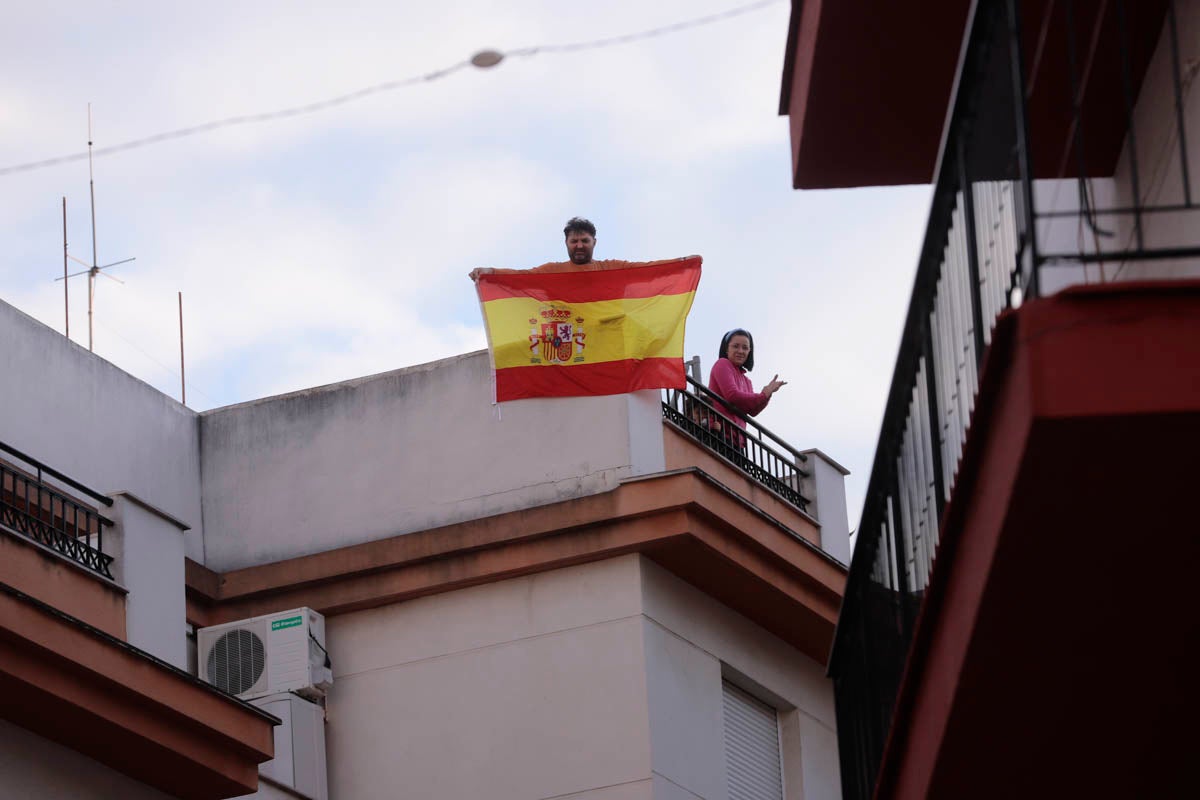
[(646, 454), (149, 549), (826, 489)]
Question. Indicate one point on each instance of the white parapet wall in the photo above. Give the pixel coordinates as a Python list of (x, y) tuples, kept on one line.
[(88, 419), (403, 451)]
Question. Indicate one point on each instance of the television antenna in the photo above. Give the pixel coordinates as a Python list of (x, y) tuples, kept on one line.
[(94, 269)]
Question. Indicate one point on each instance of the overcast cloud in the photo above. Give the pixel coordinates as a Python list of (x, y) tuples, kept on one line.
[(333, 245)]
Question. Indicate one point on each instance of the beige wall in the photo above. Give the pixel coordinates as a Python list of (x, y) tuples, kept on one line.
[(527, 688), (692, 642), (35, 768), (595, 681)]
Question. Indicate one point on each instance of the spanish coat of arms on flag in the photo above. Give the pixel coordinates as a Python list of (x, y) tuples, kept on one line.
[(561, 332)]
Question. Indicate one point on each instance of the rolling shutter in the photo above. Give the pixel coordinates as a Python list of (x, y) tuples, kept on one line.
[(751, 747)]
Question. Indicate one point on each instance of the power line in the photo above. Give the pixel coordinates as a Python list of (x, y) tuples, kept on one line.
[(676, 27), (169, 370), (388, 86)]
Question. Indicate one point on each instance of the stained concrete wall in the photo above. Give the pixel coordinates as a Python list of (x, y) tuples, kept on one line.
[(33, 767), (595, 681), (106, 429), (82, 416), (403, 451)]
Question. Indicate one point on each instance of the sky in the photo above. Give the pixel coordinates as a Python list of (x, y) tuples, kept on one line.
[(335, 244)]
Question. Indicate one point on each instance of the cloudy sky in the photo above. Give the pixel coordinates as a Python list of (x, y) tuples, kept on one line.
[(335, 244)]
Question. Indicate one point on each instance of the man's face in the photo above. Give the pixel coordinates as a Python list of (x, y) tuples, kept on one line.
[(579, 247)]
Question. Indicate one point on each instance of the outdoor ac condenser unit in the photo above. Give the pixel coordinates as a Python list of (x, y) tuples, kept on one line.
[(282, 652)]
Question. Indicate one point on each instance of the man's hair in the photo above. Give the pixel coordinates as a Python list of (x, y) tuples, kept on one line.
[(749, 365), (579, 225)]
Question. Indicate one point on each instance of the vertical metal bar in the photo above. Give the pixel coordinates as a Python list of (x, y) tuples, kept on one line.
[(66, 295), (1127, 93), (1024, 160), (934, 423), (898, 529), (1183, 159), (972, 244), (1077, 114), (182, 381)]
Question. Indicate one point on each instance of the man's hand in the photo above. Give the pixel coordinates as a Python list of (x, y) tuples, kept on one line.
[(475, 273), (774, 386)]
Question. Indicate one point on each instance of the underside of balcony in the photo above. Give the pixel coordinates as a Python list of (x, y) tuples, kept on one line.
[(1054, 654)]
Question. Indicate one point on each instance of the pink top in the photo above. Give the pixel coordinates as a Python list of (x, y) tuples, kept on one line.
[(731, 384)]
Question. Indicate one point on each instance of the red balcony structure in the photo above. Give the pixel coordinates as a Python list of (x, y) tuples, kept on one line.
[(1017, 620)]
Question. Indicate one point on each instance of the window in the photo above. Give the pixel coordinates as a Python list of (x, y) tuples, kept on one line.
[(752, 766)]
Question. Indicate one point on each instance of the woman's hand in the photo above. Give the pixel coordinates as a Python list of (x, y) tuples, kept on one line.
[(774, 386)]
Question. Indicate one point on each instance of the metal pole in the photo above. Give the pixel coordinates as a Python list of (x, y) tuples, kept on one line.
[(91, 300), (1183, 162), (66, 297), (968, 195), (182, 381), (1024, 157), (92, 272), (1127, 91)]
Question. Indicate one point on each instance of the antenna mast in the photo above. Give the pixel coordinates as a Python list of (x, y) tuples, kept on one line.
[(95, 268), (182, 382), (66, 296)]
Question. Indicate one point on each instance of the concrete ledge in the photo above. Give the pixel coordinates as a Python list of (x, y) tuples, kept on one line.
[(686, 522), (76, 685)]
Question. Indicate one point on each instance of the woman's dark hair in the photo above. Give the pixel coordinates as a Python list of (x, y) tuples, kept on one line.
[(749, 365)]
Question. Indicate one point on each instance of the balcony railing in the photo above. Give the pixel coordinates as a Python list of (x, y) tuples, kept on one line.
[(996, 235), (754, 450), (30, 506)]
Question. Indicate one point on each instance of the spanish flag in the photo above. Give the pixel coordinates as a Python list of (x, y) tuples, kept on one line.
[(562, 332)]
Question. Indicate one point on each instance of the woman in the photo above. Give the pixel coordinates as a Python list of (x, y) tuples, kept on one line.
[(728, 380)]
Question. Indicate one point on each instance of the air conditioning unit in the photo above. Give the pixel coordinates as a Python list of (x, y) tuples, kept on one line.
[(299, 762), (282, 652)]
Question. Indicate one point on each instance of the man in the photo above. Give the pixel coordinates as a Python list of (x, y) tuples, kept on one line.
[(580, 237)]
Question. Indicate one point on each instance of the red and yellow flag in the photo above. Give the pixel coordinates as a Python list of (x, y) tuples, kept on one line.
[(569, 333)]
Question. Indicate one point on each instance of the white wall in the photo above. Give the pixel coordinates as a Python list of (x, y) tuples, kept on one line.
[(84, 417), (404, 451), (596, 681), (33, 767), (149, 550), (1159, 175)]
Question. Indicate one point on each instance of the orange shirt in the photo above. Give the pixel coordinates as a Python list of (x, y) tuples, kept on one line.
[(594, 266)]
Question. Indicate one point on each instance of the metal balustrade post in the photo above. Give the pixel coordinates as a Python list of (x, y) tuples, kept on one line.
[(968, 196), (1131, 136), (935, 422), (1024, 159), (1175, 75)]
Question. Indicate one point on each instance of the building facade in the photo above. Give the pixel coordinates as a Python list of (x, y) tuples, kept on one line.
[(586, 597), (1016, 617)]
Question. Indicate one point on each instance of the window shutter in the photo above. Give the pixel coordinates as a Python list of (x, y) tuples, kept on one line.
[(751, 747)]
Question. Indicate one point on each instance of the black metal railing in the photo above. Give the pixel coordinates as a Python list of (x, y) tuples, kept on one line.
[(30, 506), (993, 239), (756, 451)]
